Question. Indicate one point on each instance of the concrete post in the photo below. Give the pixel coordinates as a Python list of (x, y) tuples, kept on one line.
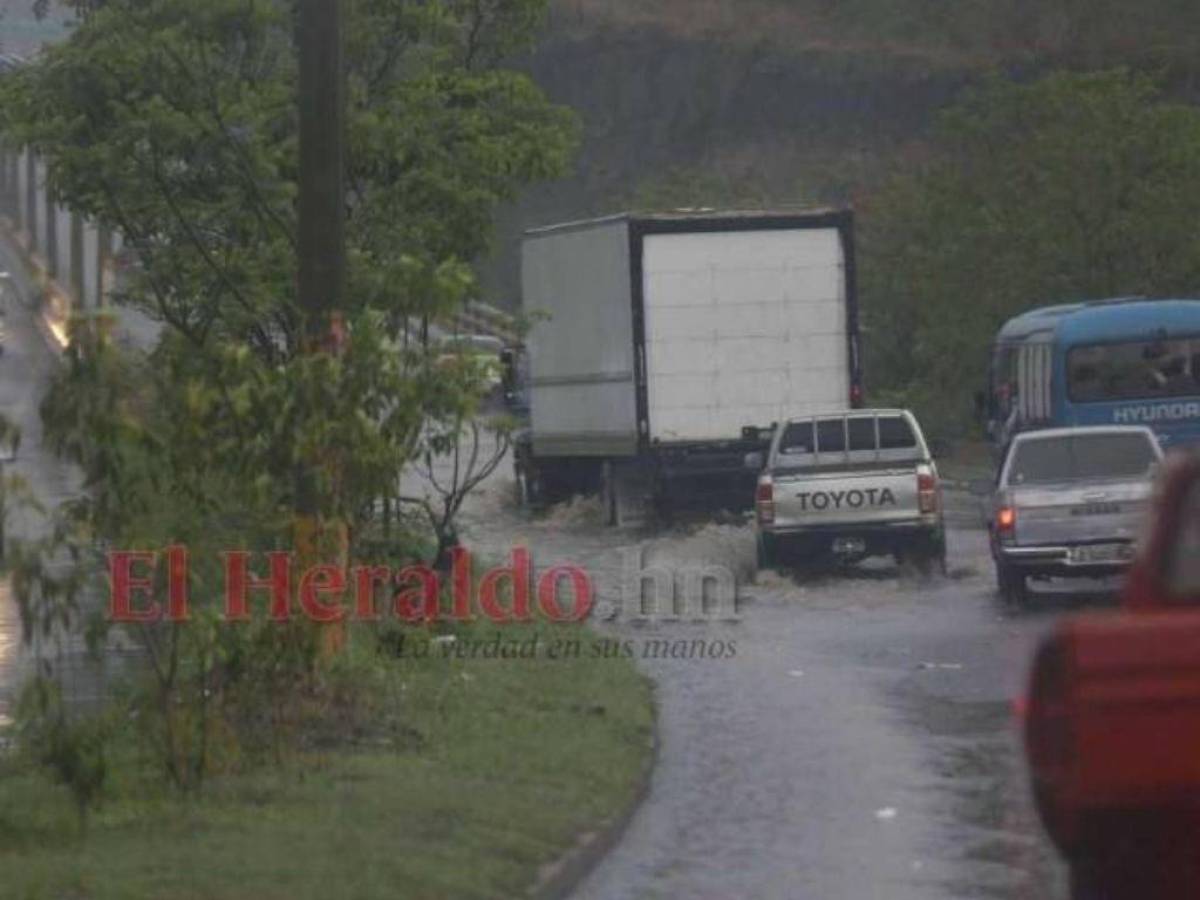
[(78, 283), (103, 255), (31, 198), (6, 187), (13, 162), (51, 232), (18, 206)]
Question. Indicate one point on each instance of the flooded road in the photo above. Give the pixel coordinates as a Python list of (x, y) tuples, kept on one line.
[(860, 743)]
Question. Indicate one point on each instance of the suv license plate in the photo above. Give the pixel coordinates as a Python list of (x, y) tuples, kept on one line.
[(848, 546), (1091, 553)]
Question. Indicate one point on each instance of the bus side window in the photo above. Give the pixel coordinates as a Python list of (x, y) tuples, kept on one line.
[(1085, 381), (1001, 384)]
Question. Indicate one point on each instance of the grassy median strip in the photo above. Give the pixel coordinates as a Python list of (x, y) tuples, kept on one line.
[(489, 760)]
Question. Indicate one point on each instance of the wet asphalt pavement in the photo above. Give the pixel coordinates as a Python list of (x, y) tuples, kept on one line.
[(860, 744)]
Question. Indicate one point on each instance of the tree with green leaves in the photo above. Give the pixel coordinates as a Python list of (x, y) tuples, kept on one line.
[(175, 123), (1076, 186)]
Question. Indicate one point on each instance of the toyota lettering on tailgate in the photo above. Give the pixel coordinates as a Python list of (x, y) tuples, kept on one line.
[(855, 499)]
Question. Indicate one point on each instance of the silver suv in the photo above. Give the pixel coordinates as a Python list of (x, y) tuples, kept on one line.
[(1070, 501)]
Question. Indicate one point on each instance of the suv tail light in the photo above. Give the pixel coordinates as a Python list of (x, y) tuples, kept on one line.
[(1006, 521), (927, 490), (764, 500), (856, 396)]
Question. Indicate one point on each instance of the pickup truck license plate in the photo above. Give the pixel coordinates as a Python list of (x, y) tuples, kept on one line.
[(1091, 553), (847, 546)]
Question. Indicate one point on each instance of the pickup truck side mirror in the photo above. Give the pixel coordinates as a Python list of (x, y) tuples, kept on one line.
[(753, 461)]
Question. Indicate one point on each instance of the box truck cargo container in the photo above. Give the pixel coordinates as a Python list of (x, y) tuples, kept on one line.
[(665, 347)]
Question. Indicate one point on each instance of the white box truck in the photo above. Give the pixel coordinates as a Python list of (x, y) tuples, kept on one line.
[(665, 347)]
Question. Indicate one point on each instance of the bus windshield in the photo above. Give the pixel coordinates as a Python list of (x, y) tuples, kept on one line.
[(1134, 370)]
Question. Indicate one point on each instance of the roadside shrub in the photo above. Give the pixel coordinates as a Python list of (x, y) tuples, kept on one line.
[(73, 748)]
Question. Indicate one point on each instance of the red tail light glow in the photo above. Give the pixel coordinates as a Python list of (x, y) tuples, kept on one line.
[(856, 396), (927, 491), (764, 500), (1006, 520)]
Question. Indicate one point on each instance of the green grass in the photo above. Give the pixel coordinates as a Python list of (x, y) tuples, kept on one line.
[(496, 768)]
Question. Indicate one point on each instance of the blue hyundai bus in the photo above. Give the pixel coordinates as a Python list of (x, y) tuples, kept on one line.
[(1123, 361)]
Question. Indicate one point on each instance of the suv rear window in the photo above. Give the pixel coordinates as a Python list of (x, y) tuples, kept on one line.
[(1081, 457)]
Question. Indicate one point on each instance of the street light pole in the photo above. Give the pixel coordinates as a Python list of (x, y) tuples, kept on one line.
[(321, 253)]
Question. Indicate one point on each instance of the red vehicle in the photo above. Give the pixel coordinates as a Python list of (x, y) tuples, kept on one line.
[(1112, 726)]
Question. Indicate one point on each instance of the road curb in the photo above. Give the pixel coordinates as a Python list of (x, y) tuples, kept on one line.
[(559, 879)]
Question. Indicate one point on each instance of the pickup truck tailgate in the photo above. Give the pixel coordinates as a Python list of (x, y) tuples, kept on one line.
[(1055, 514), (868, 496)]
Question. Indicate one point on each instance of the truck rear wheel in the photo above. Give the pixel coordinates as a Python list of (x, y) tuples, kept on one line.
[(767, 552), (927, 555), (610, 494)]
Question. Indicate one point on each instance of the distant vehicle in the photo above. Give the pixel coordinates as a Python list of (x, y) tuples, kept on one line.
[(485, 349), (847, 486), (1070, 502), (1110, 362), (669, 345)]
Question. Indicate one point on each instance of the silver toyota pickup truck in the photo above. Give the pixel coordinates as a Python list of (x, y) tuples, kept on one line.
[(1070, 501), (850, 485)]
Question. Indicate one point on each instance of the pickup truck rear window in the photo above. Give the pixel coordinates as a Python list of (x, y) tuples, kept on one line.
[(797, 438), (1083, 457), (831, 435), (862, 433), (895, 433)]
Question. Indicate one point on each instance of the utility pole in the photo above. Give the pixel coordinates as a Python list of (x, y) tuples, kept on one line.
[(78, 281), (31, 196), (322, 254)]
